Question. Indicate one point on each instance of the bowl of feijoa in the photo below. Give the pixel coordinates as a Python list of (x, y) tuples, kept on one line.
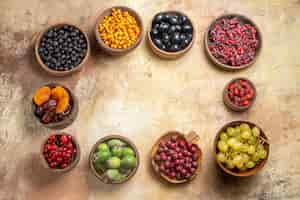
[(114, 159), (241, 148)]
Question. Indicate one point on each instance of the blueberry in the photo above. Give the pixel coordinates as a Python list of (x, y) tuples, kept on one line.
[(182, 37), (154, 32), (176, 38), (165, 38), (174, 48), (178, 28), (173, 20), (187, 29), (164, 27), (158, 18), (172, 29), (158, 42), (183, 19)]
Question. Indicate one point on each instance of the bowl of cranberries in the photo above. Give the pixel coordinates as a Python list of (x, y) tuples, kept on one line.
[(55, 106), (60, 152), (239, 94), (233, 42), (176, 157), (171, 34)]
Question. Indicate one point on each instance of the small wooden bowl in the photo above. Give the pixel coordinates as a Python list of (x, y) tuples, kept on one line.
[(249, 172), (215, 60), (93, 150), (68, 168), (231, 105), (191, 137), (115, 51), (166, 54), (69, 119), (55, 72)]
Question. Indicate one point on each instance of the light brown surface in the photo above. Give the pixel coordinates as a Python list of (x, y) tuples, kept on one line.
[(142, 97)]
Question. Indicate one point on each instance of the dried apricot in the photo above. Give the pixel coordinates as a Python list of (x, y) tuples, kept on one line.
[(59, 92), (42, 95), (63, 104)]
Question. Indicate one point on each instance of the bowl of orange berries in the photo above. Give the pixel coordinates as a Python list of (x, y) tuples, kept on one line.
[(55, 106)]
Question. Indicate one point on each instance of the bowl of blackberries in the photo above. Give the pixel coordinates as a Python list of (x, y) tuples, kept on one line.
[(239, 94), (55, 106), (60, 152), (62, 49), (171, 34), (233, 42), (176, 157)]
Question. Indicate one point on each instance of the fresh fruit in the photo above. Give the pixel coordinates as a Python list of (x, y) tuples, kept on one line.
[(128, 162), (233, 41), (59, 151), (171, 31), (176, 158), (113, 162), (63, 48), (115, 159), (103, 147), (42, 95), (240, 147), (240, 92)]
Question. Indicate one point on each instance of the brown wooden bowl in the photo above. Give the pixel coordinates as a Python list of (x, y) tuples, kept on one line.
[(115, 51), (215, 60), (191, 137), (231, 105), (68, 168), (166, 54), (48, 69), (69, 119), (93, 150), (248, 172)]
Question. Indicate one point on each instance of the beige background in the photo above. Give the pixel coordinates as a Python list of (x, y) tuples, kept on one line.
[(142, 96)]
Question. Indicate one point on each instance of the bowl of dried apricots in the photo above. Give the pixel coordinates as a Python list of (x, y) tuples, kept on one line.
[(55, 106)]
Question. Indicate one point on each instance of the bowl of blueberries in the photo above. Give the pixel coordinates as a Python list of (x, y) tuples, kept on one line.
[(62, 49), (171, 34)]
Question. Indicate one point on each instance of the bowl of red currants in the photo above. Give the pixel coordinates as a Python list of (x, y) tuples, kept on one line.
[(241, 148), (239, 94), (233, 42), (171, 34), (176, 157), (62, 49), (55, 106), (60, 152)]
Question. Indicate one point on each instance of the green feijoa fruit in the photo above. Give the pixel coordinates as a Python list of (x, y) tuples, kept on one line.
[(127, 151), (128, 162), (115, 142), (103, 156), (103, 147), (113, 174), (116, 151), (113, 162)]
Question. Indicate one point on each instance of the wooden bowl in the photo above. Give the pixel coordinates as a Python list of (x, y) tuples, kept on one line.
[(55, 72), (191, 137), (101, 177), (228, 67), (69, 119), (231, 105), (248, 172), (69, 167), (166, 54), (115, 51)]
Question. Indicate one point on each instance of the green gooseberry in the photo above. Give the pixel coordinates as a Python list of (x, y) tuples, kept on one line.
[(113, 162), (116, 151), (127, 151), (128, 162), (103, 156), (103, 147), (115, 142), (113, 174)]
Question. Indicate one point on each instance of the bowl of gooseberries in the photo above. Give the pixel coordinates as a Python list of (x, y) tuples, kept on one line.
[(114, 159), (241, 148)]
